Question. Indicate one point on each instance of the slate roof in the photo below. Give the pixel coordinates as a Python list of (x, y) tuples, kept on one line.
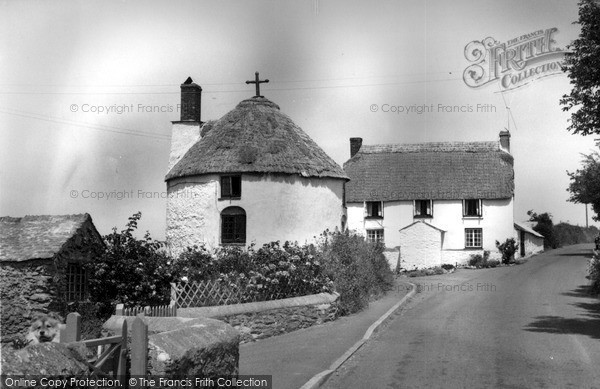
[(524, 227), (256, 137), (430, 171), (37, 237)]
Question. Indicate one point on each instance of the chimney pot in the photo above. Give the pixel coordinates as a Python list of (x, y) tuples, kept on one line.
[(505, 140), (191, 98), (355, 145)]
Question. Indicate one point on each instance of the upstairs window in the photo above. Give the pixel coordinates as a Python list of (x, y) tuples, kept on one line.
[(472, 208), (423, 208), (231, 187), (233, 225), (473, 238), (374, 209)]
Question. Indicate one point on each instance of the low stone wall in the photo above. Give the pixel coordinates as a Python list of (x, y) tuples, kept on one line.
[(47, 359), (186, 346), (259, 325)]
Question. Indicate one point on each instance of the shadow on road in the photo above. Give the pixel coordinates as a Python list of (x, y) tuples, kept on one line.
[(588, 324)]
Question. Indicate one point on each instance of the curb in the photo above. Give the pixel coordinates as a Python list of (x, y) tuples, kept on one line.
[(320, 378)]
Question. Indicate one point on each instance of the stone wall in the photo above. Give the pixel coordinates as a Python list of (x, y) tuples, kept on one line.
[(26, 289), (183, 346), (259, 325)]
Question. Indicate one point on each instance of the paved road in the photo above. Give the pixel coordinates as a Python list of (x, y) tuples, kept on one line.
[(526, 326)]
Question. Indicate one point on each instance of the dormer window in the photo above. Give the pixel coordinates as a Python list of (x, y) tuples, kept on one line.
[(472, 208), (423, 208), (231, 187), (374, 209)]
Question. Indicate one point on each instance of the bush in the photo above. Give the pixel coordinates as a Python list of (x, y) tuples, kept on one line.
[(272, 270), (508, 250), (132, 271), (594, 274), (448, 266), (358, 269), (479, 261)]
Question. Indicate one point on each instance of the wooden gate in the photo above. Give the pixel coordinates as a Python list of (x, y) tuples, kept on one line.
[(110, 360)]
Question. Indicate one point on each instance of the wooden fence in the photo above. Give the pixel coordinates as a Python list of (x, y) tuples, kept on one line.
[(157, 311), (111, 356)]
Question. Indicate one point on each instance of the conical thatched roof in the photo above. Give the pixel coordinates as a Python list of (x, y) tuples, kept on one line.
[(256, 137)]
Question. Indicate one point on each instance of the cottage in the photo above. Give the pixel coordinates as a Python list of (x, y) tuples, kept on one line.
[(253, 176), (41, 269), (434, 203)]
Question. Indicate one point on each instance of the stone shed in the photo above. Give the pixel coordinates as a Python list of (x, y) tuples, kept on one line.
[(41, 270)]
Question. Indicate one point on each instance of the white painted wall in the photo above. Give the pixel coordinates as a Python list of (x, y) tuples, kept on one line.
[(533, 244), (278, 207), (183, 136), (421, 247), (496, 222)]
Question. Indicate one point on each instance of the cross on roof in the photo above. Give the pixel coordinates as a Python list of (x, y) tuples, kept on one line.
[(257, 82)]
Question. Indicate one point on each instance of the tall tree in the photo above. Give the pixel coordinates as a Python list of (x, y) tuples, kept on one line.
[(582, 66), (585, 183)]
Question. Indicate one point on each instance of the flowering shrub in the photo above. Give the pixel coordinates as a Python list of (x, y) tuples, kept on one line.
[(132, 271), (270, 272), (508, 250), (358, 268), (594, 273)]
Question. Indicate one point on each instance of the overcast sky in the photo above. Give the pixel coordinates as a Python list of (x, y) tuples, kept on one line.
[(328, 63)]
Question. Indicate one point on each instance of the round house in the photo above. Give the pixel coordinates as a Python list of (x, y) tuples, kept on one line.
[(253, 176)]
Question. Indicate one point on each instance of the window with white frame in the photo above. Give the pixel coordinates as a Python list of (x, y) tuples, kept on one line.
[(472, 208), (374, 236), (423, 208), (374, 209), (473, 238)]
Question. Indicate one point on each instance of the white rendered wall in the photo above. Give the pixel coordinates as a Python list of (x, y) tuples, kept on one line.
[(278, 207), (183, 136), (496, 222), (421, 248)]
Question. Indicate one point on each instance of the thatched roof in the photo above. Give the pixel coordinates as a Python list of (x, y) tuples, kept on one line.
[(430, 171), (256, 137), (38, 237)]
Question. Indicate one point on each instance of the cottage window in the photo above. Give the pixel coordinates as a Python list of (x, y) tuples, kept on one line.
[(423, 208), (231, 187), (472, 208), (76, 283), (374, 236), (473, 238), (374, 209), (233, 225)]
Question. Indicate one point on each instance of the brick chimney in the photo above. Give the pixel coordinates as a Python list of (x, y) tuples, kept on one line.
[(186, 131), (191, 96), (355, 145), (505, 140)]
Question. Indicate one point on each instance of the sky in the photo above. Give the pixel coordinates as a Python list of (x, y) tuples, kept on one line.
[(88, 90)]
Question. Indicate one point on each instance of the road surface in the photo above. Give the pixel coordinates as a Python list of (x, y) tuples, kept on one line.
[(526, 326)]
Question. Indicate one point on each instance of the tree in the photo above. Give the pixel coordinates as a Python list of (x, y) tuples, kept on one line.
[(582, 65), (132, 271), (585, 183), (545, 227)]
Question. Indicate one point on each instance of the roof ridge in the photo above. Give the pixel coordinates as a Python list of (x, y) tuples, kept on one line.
[(472, 146)]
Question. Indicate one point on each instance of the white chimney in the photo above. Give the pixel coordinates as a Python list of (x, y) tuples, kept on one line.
[(505, 141)]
